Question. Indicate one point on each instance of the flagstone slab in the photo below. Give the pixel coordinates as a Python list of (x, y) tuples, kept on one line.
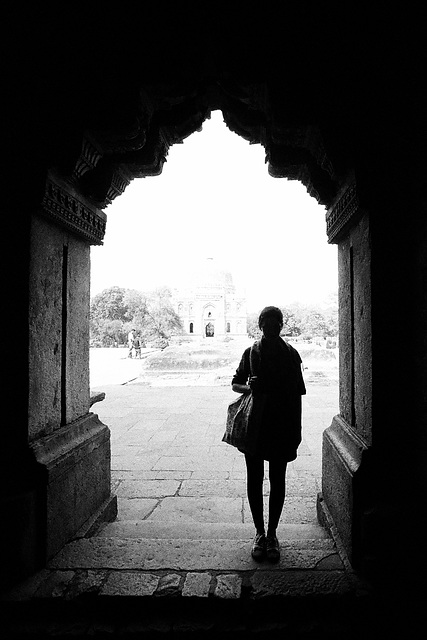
[(197, 585), (189, 462), (184, 555), (297, 509), (136, 508), (208, 474), (205, 531), (134, 438), (150, 423), (213, 487), (175, 450), (189, 509), (302, 583), (237, 487), (130, 583), (147, 488), (150, 475), (132, 462), (228, 587), (169, 585), (134, 475)]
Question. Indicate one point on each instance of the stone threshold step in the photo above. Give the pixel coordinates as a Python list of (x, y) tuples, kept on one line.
[(256, 585), (333, 603), (205, 531), (147, 554)]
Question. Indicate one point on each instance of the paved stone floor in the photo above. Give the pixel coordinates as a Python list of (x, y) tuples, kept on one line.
[(176, 561), (181, 494), (169, 464), (184, 526)]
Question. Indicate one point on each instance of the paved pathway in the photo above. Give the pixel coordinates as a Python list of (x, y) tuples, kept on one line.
[(177, 559), (169, 463), (184, 529), (181, 491)]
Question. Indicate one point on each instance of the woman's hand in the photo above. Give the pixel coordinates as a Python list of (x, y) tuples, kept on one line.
[(254, 384)]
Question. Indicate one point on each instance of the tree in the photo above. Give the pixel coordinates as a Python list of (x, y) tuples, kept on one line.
[(252, 325), (113, 333), (291, 322), (161, 319), (107, 317), (136, 306), (314, 324), (115, 311), (109, 305), (303, 320)]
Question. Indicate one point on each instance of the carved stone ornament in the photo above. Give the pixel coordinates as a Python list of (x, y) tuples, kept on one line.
[(163, 115), (89, 157), (342, 214), (61, 204)]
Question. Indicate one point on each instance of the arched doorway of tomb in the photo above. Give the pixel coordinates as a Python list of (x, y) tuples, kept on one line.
[(208, 320), (212, 323), (131, 136), (210, 330)]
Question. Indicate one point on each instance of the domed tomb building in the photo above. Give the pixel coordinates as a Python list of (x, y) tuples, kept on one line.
[(209, 304)]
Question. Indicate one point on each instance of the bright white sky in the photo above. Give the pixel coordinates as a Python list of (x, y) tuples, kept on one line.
[(215, 199)]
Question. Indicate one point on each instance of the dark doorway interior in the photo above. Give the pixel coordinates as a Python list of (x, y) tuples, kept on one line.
[(210, 330)]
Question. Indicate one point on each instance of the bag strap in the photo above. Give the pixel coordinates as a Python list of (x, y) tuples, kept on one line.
[(254, 352)]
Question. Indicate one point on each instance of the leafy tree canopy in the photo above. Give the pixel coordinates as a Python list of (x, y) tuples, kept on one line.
[(115, 311), (303, 320)]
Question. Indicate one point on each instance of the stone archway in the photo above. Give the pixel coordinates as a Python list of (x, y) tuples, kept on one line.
[(352, 131), (75, 204)]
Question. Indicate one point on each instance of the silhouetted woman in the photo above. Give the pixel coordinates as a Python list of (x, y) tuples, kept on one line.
[(277, 385)]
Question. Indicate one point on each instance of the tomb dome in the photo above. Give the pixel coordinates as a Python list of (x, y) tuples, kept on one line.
[(209, 274)]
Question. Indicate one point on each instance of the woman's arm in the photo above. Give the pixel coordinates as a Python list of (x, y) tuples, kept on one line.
[(240, 378), (240, 388)]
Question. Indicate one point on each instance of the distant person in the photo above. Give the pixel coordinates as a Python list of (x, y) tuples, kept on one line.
[(137, 346), (131, 339), (277, 385)]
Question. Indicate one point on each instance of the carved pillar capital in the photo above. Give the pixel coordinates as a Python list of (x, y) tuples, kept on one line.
[(67, 208), (343, 213)]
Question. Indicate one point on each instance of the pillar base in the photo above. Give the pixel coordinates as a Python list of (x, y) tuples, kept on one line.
[(76, 464), (342, 489)]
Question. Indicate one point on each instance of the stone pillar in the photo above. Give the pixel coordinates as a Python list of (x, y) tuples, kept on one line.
[(346, 443), (394, 528), (375, 451), (64, 451), (20, 500)]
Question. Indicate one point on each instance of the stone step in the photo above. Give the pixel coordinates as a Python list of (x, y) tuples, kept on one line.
[(204, 531), (325, 605), (190, 554), (169, 586)]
